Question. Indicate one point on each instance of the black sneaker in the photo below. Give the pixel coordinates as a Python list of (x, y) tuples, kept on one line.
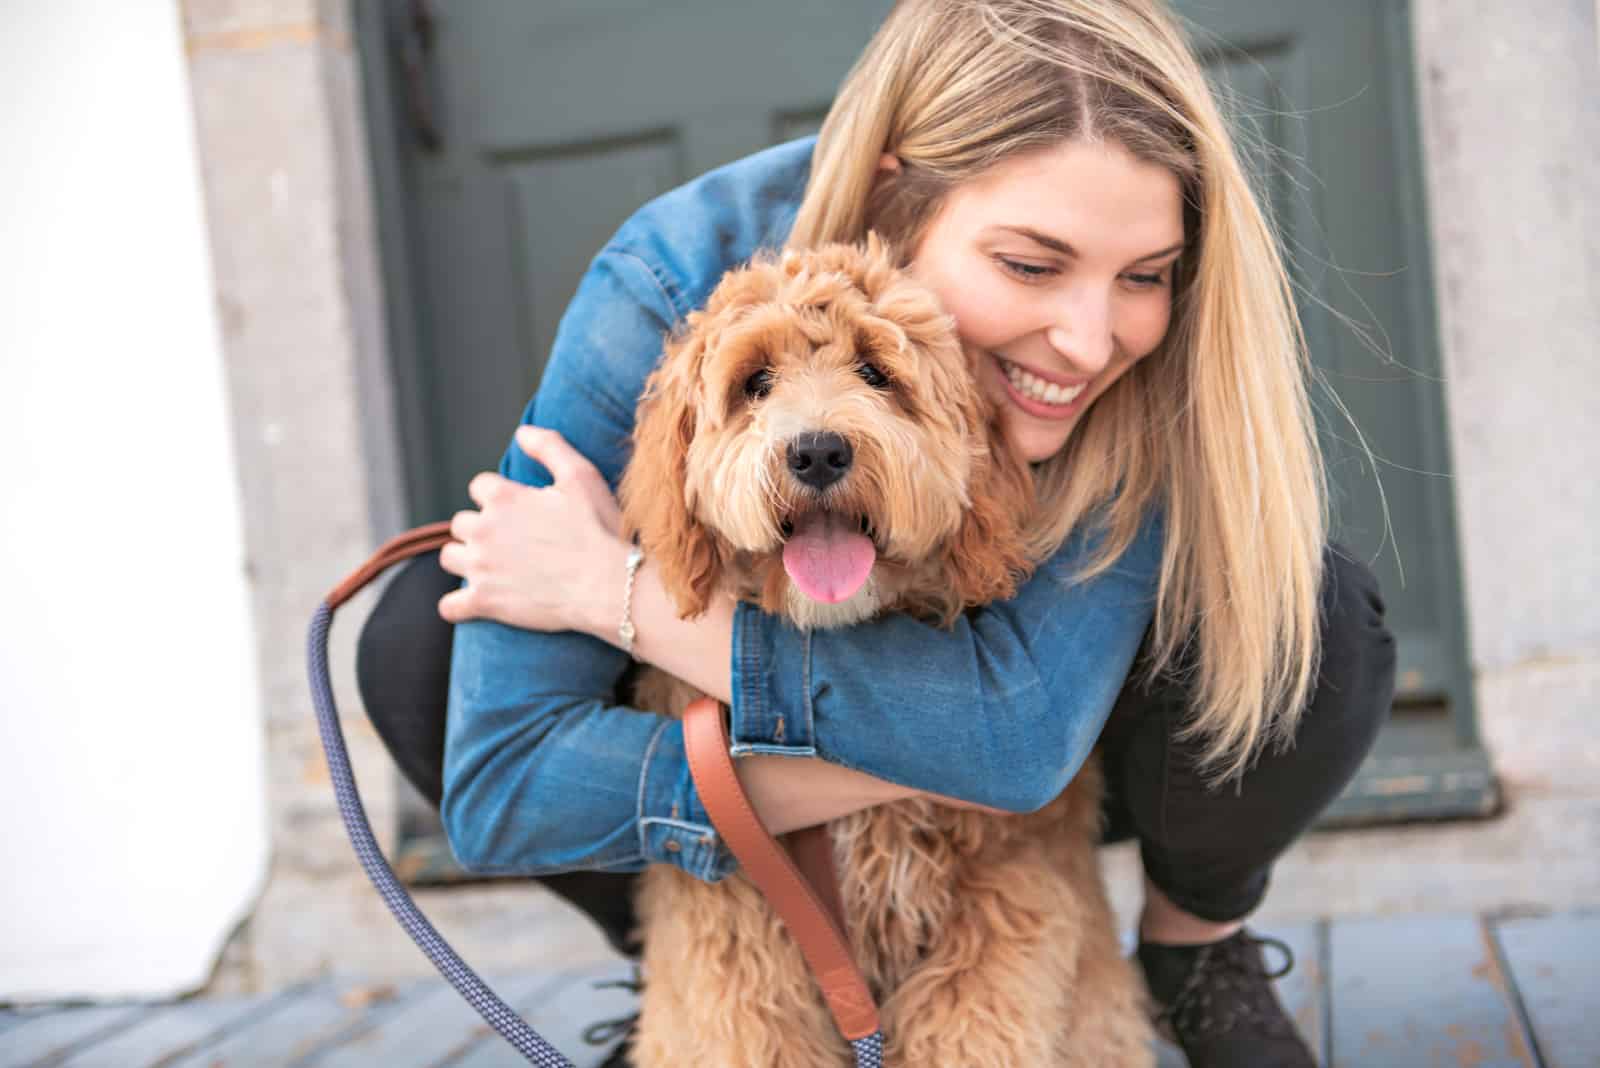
[(605, 1032), (1217, 1004), (618, 1059)]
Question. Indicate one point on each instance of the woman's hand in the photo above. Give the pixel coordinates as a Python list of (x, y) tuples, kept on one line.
[(541, 559)]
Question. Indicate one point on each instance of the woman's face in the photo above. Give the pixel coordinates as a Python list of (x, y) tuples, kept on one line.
[(1057, 266)]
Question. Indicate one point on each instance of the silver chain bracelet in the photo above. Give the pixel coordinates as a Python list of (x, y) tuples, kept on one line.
[(625, 630)]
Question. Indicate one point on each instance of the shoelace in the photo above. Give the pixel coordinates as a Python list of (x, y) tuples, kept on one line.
[(1234, 967), (603, 1032)]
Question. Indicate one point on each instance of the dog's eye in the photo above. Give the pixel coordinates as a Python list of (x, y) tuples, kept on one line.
[(758, 385), (872, 376)]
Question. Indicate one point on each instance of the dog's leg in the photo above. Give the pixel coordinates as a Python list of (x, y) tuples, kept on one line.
[(724, 986), (1106, 1022), (993, 986), (1027, 969)]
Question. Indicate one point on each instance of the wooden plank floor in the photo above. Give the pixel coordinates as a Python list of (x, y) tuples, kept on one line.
[(1400, 991)]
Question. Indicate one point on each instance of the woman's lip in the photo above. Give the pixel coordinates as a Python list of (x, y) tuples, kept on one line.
[(1045, 376), (1038, 409)]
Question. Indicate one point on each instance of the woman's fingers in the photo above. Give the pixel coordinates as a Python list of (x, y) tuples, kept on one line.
[(551, 449), (487, 486), (573, 473), (464, 524), (449, 606), (456, 606), (531, 557), (453, 558)]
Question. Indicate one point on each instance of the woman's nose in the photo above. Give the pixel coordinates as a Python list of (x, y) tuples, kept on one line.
[(1082, 335)]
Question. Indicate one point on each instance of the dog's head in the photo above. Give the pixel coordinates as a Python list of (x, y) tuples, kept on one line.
[(814, 439)]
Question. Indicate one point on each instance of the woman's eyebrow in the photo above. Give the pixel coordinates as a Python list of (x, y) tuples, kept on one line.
[(1169, 250), (1057, 245)]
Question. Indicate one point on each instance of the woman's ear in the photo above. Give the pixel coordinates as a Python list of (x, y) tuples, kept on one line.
[(884, 175), (654, 489), (987, 557)]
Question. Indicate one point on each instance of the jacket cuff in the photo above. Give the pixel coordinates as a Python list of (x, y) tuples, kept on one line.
[(771, 710), (674, 827)]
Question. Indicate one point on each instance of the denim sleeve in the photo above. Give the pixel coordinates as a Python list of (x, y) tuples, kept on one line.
[(1002, 709), (544, 771)]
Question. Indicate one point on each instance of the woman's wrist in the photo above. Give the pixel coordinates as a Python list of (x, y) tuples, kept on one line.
[(790, 793), (601, 616), (697, 650)]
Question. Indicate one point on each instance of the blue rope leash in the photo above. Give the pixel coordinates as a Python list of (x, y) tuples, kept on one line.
[(466, 981), (499, 1015)]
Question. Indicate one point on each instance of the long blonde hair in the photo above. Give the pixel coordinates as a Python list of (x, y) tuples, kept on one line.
[(1215, 426)]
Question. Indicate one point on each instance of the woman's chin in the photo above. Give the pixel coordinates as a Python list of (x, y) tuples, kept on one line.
[(1033, 440), (1031, 437)]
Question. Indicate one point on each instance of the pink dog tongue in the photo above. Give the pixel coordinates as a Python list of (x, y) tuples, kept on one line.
[(828, 558)]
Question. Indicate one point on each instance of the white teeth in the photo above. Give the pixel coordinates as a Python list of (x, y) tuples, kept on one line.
[(1035, 388)]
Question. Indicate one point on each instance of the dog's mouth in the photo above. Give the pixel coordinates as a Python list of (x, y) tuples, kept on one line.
[(829, 555)]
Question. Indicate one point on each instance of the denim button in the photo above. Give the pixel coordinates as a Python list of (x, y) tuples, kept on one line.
[(672, 845)]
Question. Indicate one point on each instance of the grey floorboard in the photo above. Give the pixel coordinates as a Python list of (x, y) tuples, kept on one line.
[(296, 1025), (44, 1038), (561, 1013), (1419, 991), (433, 1028), (1304, 990), (166, 1032), (1555, 964), (1386, 992)]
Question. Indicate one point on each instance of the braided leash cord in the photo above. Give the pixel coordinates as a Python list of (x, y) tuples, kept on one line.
[(500, 1016), (869, 1050), (467, 983)]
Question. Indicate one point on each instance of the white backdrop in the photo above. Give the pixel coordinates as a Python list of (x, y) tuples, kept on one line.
[(132, 800)]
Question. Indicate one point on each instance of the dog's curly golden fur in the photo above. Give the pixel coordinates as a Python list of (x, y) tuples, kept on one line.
[(987, 939)]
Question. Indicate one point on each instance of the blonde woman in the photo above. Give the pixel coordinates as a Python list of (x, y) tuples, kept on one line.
[(1057, 172)]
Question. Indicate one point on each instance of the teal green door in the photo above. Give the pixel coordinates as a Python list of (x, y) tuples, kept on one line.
[(551, 121)]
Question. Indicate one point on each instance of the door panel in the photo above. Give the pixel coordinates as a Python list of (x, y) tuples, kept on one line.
[(557, 120)]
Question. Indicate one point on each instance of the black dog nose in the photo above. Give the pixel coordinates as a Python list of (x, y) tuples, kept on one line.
[(819, 460)]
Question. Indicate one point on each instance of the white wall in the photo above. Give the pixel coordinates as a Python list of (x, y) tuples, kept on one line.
[(132, 796), (1510, 106)]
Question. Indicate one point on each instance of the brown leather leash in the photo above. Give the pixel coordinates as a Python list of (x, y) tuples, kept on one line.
[(807, 902), (413, 542), (797, 877)]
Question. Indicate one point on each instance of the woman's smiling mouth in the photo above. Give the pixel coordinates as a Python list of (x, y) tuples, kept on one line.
[(1036, 396)]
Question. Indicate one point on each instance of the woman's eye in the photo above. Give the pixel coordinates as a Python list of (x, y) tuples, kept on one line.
[(758, 385), (1147, 281), (872, 376), (1026, 271)]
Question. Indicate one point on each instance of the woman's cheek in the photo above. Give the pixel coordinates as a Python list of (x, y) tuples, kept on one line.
[(1159, 321)]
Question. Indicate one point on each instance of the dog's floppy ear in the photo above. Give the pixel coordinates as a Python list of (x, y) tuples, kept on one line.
[(654, 490), (988, 556)]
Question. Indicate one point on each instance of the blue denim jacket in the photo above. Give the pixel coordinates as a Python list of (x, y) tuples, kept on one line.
[(545, 771)]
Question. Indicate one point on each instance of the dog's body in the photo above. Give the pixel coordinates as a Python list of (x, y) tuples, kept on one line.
[(836, 459)]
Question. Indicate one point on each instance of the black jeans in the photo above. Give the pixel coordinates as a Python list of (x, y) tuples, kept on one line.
[(1209, 850)]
